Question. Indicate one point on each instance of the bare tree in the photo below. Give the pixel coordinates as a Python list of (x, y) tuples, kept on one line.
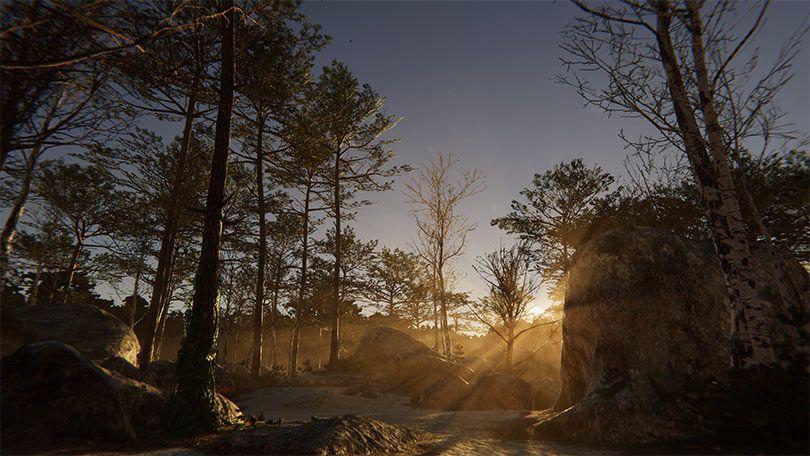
[(507, 272), (434, 195), (677, 82)]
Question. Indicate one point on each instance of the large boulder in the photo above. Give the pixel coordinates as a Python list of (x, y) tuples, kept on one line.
[(95, 333), (446, 394), (50, 391), (403, 364), (499, 391), (647, 323)]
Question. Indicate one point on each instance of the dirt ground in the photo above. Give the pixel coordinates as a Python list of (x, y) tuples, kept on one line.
[(445, 433)]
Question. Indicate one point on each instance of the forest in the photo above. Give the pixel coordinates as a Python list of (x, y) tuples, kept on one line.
[(219, 238)]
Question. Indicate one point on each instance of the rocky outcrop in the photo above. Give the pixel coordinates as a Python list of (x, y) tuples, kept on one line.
[(95, 333), (402, 364), (49, 391), (446, 394), (499, 391), (646, 323)]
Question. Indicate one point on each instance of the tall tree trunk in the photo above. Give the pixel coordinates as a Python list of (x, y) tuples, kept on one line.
[(334, 347), (510, 345), (194, 405), (169, 238), (133, 306), (296, 334), (751, 317), (438, 339), (157, 352), (32, 300), (74, 261), (17, 209), (258, 309), (716, 190), (273, 311), (448, 344)]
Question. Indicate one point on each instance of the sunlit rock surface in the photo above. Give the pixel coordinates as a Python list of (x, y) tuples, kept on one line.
[(499, 391), (95, 333), (402, 364), (646, 327)]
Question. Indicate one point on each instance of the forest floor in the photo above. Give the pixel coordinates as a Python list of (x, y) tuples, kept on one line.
[(441, 433), (446, 433)]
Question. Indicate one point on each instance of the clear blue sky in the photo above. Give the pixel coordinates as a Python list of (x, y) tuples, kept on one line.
[(475, 79)]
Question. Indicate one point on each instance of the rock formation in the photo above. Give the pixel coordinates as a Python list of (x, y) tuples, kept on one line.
[(95, 333), (51, 392), (646, 324)]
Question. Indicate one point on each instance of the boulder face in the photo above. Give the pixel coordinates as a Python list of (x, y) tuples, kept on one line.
[(403, 364), (49, 390), (95, 333), (499, 391), (646, 321), (382, 346)]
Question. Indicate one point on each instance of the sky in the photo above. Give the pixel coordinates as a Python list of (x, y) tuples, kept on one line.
[(475, 79)]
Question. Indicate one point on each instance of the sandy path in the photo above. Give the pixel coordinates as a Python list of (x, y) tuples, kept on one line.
[(450, 433)]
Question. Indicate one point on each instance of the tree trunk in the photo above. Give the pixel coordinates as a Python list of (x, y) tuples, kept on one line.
[(334, 348), (134, 302), (294, 341), (510, 345), (448, 344), (17, 209), (438, 339), (274, 309), (10, 226), (157, 352), (32, 300), (716, 190), (74, 261), (258, 309), (169, 237), (194, 406), (751, 318)]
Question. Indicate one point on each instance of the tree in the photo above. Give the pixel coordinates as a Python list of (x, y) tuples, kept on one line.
[(284, 234), (194, 406), (434, 195), (394, 280), (348, 121), (679, 83), (276, 64), (301, 169), (558, 209), (75, 111), (179, 94), (511, 289), (356, 257), (82, 199)]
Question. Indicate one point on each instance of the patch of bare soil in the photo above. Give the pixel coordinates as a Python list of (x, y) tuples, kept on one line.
[(440, 432)]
